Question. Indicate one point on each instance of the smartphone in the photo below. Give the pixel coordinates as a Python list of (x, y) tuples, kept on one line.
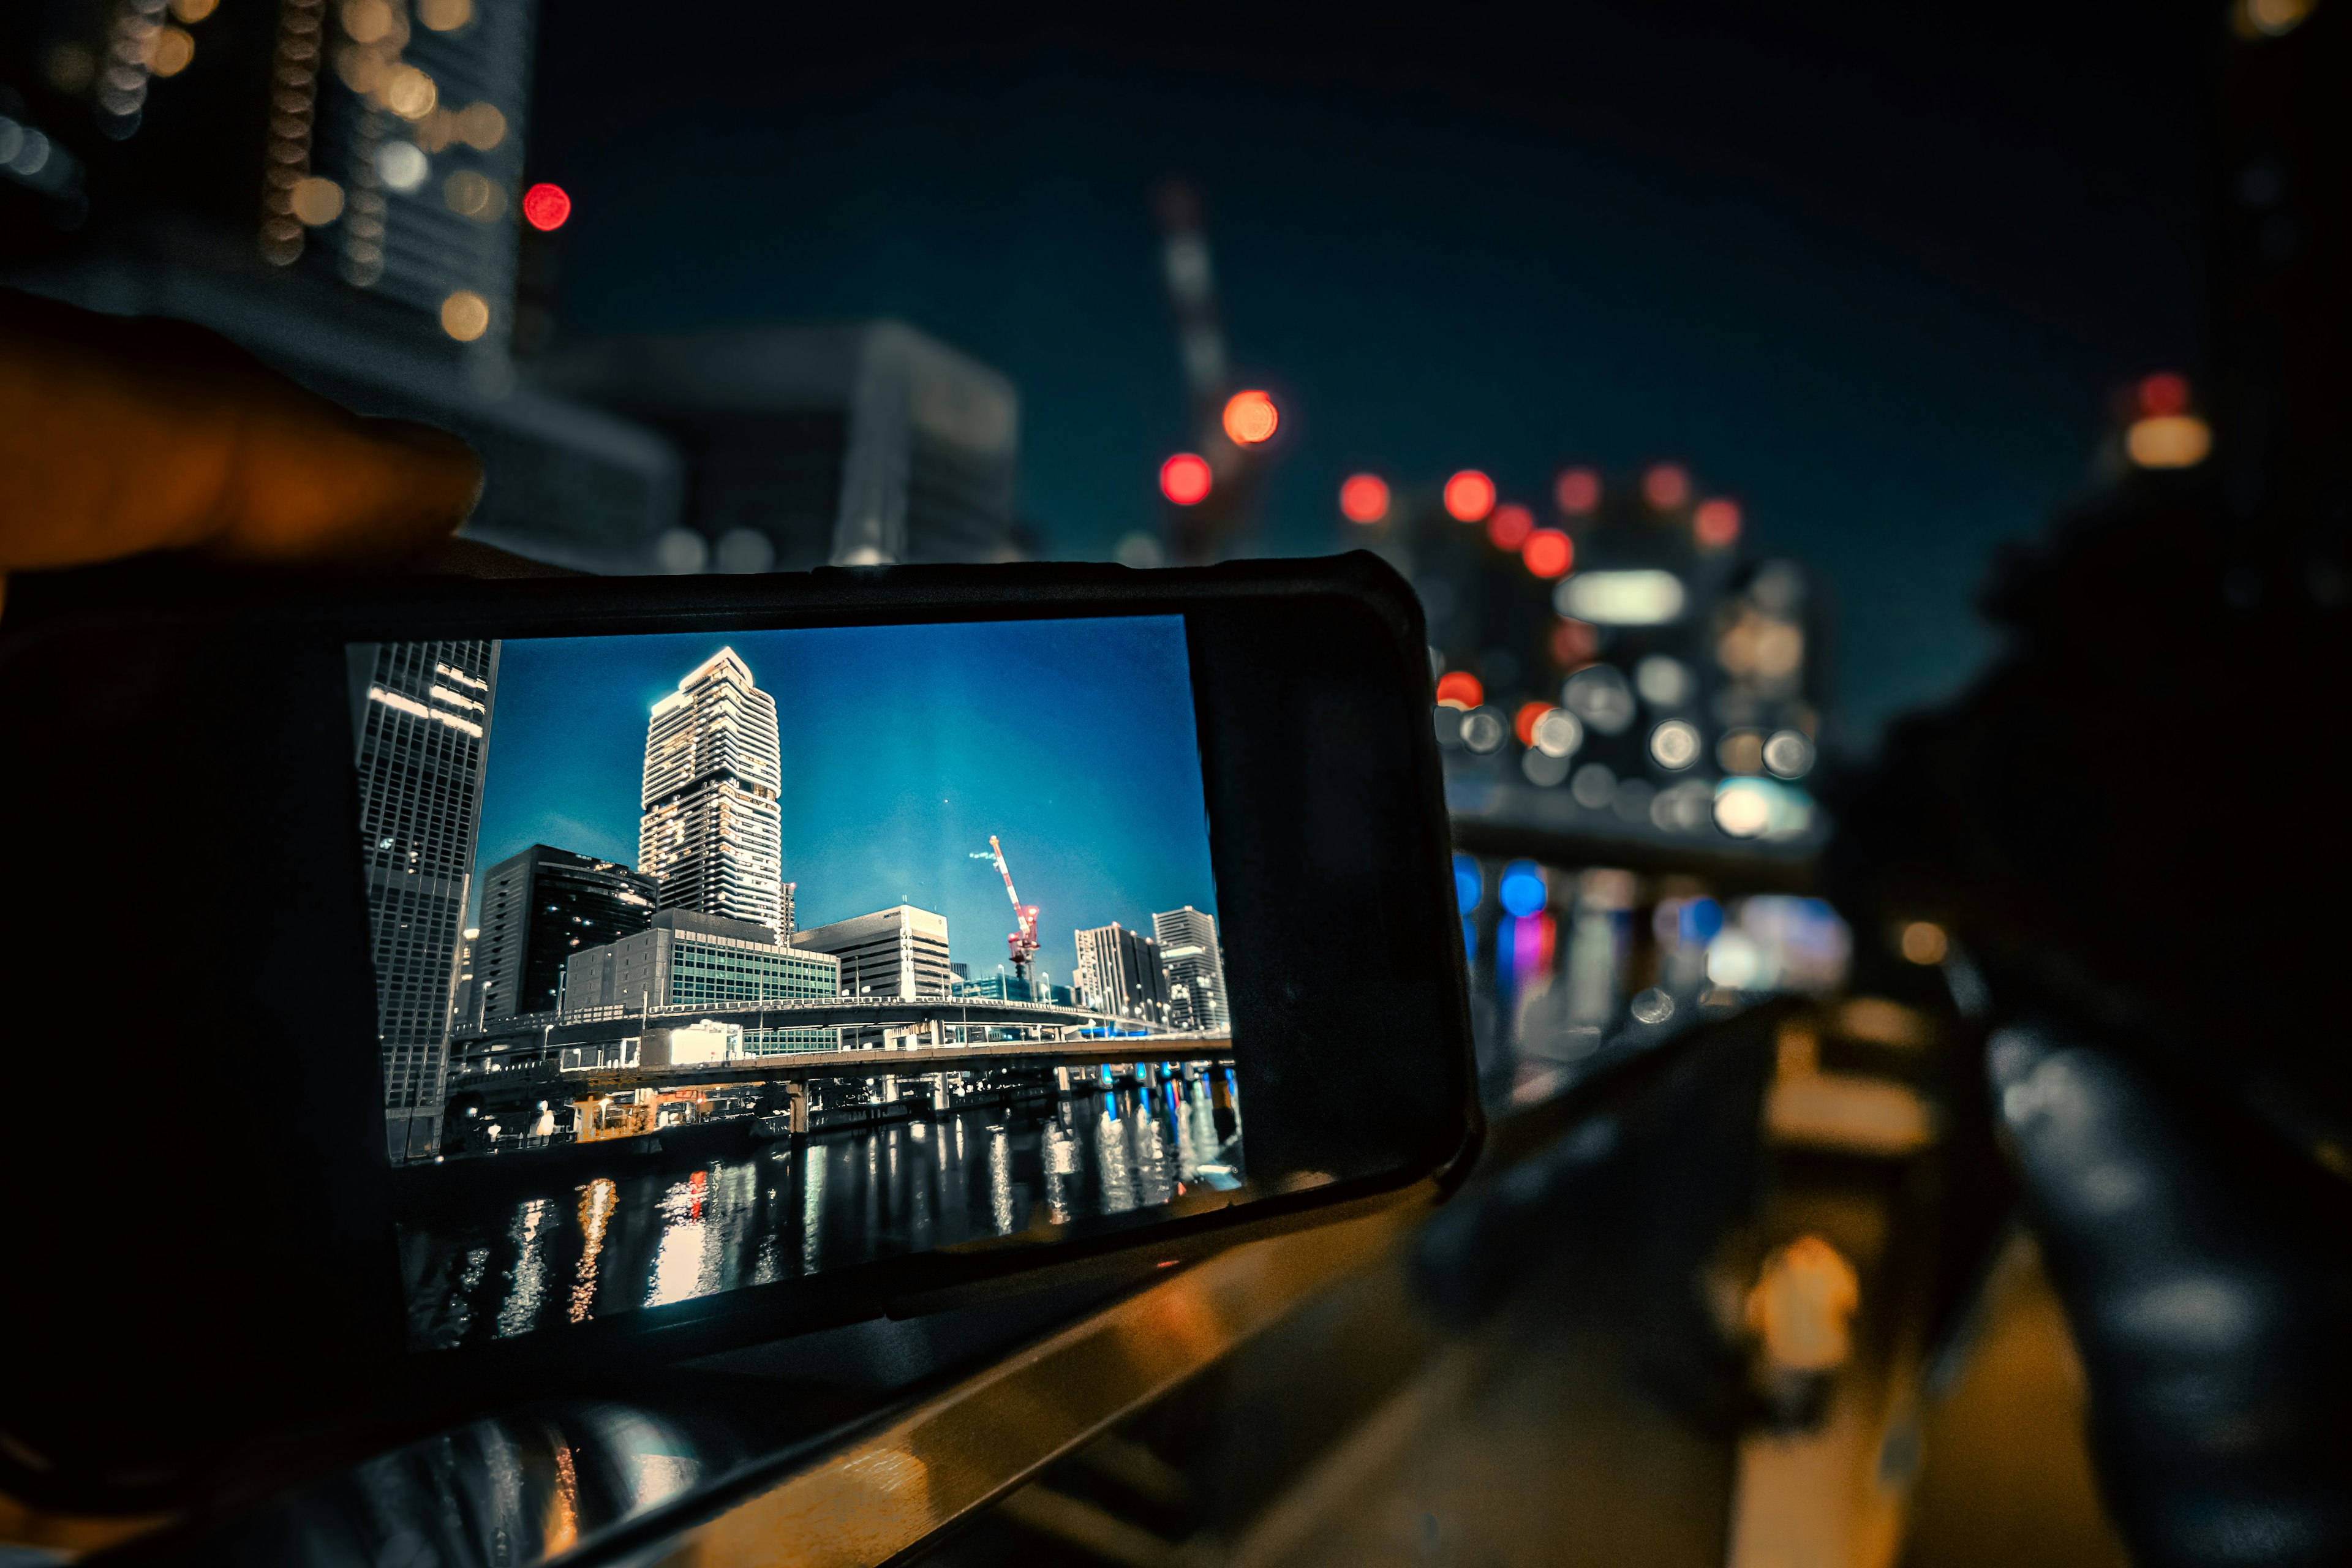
[(450, 990)]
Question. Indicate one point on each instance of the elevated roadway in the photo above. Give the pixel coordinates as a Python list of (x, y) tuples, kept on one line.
[(537, 1078)]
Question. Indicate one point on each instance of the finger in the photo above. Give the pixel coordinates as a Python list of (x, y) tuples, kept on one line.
[(120, 436)]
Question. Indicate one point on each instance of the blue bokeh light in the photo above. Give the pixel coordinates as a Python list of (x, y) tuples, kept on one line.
[(1523, 891), (1469, 887)]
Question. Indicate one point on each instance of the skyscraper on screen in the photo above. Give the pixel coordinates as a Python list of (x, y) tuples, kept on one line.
[(1195, 968), (712, 834), (1118, 971), (420, 715)]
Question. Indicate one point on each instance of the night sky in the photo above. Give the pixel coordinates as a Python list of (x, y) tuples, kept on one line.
[(1875, 271), (904, 748)]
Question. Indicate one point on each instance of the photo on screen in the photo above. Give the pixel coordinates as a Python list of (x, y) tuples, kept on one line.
[(706, 962)]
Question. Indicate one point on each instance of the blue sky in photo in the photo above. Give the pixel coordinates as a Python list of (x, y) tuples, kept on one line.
[(904, 748)]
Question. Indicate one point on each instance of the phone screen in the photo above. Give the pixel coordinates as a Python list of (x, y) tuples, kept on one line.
[(706, 962)]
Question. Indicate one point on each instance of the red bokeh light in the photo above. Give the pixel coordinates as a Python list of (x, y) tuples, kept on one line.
[(1184, 478), (545, 207), (1577, 491), (1510, 526), (1716, 522), (2164, 392), (1665, 487), (1549, 552), (1523, 723), (1469, 495), (1573, 642), (1364, 498), (1459, 689), (1250, 418)]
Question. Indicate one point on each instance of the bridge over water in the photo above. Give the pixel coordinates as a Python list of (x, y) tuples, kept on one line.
[(536, 1075), (937, 1016)]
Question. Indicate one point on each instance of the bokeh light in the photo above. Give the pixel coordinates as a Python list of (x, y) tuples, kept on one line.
[(1665, 487), (1523, 722), (1715, 524), (1639, 597), (464, 315), (1577, 493), (1364, 498), (1510, 526), (1675, 745), (1556, 733), (1522, 889), (1469, 886), (2168, 441), (545, 207), (402, 165), (1923, 941), (1573, 642), (1250, 418), (1548, 552), (1469, 495), (1184, 478), (2166, 392), (1483, 730), (1460, 688), (317, 200)]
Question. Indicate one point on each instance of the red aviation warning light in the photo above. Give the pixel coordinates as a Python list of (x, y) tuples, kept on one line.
[(1364, 498), (1665, 487), (1508, 525), (1469, 495), (1184, 478), (1577, 491), (1548, 552), (1716, 524), (545, 207)]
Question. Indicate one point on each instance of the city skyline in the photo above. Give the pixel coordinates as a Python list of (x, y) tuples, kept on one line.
[(903, 748)]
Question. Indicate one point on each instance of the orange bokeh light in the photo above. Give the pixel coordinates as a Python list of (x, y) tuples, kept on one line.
[(1716, 522), (1548, 552), (1665, 487), (1184, 478), (1523, 724), (1510, 526), (1577, 491), (1459, 689), (1364, 498), (1469, 495), (1250, 418)]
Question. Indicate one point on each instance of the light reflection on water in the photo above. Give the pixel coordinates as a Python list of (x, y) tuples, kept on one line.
[(628, 1240)]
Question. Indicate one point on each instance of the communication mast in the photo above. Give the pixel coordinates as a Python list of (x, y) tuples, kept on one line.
[(1022, 941)]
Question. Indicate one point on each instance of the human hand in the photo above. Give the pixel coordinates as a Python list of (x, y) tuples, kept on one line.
[(120, 435)]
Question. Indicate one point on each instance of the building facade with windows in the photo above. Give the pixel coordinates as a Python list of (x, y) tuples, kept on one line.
[(712, 835), (539, 907), (685, 960), (898, 952), (421, 719), (1119, 971), (1195, 967)]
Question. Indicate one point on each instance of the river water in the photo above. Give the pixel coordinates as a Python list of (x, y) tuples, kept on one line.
[(595, 1246)]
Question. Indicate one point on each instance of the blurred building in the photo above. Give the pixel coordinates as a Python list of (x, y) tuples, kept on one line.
[(335, 188), (1618, 663), (853, 445), (1195, 968), (1119, 971), (539, 907), (421, 716)]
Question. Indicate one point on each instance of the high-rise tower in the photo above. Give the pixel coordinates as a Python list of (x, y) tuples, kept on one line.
[(1196, 969), (712, 834), (421, 716)]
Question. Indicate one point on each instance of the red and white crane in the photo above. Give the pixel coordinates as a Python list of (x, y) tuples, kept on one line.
[(1023, 940)]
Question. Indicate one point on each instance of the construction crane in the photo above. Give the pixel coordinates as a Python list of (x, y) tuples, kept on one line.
[(1023, 940)]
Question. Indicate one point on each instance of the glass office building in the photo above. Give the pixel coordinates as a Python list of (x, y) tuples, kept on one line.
[(688, 960)]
